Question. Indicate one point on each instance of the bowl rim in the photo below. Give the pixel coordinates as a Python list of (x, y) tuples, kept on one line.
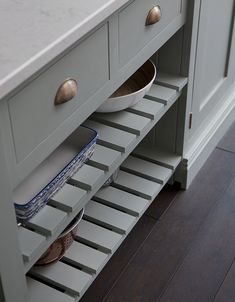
[(77, 219), (138, 91)]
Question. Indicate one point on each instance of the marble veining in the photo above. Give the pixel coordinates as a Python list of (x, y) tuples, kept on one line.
[(32, 33)]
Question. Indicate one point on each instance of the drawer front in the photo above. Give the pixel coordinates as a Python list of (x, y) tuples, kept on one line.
[(34, 116), (134, 33)]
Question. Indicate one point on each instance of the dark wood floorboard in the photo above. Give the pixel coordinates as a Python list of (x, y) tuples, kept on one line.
[(163, 201), (228, 141), (226, 292), (210, 257), (148, 273)]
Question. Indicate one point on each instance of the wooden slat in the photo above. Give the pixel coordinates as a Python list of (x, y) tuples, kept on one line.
[(137, 185), (104, 158), (147, 108), (173, 81), (99, 237), (47, 221), (39, 292), (123, 120), (70, 279), (122, 200), (108, 217), (87, 177), (161, 94), (29, 242), (69, 198), (147, 169), (85, 257), (113, 138), (158, 156)]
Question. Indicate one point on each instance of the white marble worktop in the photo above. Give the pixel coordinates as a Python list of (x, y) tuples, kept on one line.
[(33, 32)]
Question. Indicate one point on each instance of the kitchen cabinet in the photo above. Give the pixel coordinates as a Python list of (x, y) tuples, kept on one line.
[(212, 78), (150, 141)]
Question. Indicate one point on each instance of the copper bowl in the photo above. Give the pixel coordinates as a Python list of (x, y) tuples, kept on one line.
[(58, 248)]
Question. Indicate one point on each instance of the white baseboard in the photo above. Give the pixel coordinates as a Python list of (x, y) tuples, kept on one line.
[(199, 152)]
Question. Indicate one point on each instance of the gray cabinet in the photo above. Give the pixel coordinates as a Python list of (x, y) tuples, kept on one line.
[(154, 131), (210, 96), (213, 58)]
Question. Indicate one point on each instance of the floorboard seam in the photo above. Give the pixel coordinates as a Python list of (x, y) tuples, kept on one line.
[(191, 244), (223, 149), (223, 280), (164, 212)]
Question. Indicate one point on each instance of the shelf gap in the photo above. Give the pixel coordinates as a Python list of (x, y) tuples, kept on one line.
[(144, 176), (78, 266), (126, 190), (98, 200)]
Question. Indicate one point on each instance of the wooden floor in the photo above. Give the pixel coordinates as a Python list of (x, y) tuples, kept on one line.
[(183, 248)]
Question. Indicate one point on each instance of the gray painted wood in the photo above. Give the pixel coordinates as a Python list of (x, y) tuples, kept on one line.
[(173, 81), (97, 236), (161, 94), (104, 158), (113, 138), (147, 108), (64, 276), (87, 177), (69, 198), (108, 217), (137, 185), (29, 243), (38, 97), (213, 50), (146, 169), (47, 221), (11, 262), (39, 292), (85, 257), (133, 33), (158, 156), (123, 120), (122, 200)]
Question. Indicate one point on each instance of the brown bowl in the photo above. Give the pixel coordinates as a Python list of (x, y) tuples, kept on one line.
[(58, 248)]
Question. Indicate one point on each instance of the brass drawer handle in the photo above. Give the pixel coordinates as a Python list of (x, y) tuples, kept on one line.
[(66, 92), (154, 15)]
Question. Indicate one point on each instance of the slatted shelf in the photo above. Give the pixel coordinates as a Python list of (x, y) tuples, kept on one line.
[(147, 108), (158, 156), (124, 120), (143, 168), (68, 278), (117, 139), (122, 200), (39, 292), (98, 237), (171, 81), (111, 218), (112, 138), (85, 257), (47, 220), (107, 221)]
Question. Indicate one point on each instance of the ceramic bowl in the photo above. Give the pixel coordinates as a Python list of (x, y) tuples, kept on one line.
[(132, 91)]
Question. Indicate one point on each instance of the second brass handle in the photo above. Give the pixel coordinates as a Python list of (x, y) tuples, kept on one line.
[(154, 15), (66, 92)]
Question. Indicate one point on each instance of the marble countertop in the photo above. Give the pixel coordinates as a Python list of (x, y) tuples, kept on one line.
[(32, 33)]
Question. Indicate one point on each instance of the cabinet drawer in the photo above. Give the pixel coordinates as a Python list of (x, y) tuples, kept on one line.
[(34, 115), (134, 33)]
